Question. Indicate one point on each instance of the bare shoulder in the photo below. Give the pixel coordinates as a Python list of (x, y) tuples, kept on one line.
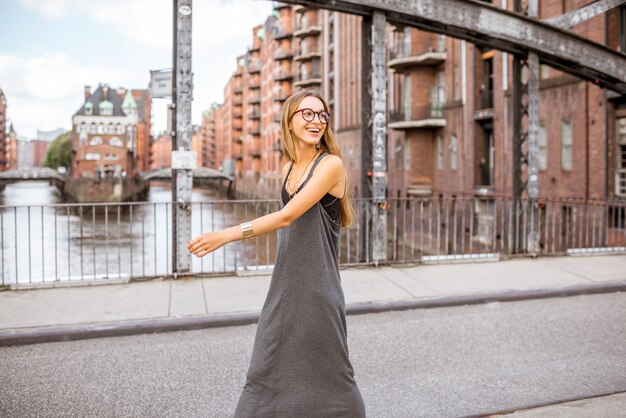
[(333, 162)]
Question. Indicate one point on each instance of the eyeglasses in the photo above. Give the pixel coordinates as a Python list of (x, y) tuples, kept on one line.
[(309, 114)]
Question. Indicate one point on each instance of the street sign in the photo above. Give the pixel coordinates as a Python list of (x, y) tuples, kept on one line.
[(161, 83), (184, 160)]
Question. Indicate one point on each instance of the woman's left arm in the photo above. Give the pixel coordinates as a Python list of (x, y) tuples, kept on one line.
[(329, 172)]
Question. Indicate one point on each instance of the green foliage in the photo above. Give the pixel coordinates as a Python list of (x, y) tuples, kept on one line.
[(59, 152)]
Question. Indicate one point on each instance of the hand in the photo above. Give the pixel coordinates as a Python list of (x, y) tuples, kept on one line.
[(206, 243)]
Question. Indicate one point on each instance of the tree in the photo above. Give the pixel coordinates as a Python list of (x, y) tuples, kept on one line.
[(59, 152)]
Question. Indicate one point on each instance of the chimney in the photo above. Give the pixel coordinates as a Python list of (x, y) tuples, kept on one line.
[(121, 91), (87, 91)]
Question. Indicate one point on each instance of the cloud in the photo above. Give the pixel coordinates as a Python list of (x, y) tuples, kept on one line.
[(44, 92), (215, 22), (222, 30)]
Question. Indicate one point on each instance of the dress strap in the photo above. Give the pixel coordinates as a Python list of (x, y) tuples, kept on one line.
[(287, 176), (317, 161)]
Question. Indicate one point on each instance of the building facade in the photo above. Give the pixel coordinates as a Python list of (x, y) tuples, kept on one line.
[(111, 133), (450, 109)]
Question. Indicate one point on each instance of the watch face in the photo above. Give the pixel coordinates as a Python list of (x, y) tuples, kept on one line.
[(184, 10)]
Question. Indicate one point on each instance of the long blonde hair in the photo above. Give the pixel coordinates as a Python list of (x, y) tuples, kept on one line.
[(327, 143)]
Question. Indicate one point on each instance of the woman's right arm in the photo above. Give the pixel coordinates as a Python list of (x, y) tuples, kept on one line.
[(330, 172)]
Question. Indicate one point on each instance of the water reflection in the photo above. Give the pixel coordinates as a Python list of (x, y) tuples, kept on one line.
[(43, 242)]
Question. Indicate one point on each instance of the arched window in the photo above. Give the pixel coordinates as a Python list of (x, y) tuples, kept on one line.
[(100, 128), (96, 140), (88, 108), (93, 128), (111, 128), (115, 142)]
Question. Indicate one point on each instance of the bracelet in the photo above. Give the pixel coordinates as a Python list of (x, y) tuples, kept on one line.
[(246, 230)]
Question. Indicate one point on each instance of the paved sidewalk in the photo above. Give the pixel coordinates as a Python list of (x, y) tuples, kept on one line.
[(610, 406), (64, 313)]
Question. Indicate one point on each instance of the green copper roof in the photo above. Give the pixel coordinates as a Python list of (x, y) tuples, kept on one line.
[(105, 104), (129, 101)]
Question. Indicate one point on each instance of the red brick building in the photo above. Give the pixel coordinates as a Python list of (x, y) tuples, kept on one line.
[(111, 133), (161, 151), (449, 108)]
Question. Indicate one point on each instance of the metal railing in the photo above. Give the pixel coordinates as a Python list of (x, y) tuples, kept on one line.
[(123, 241)]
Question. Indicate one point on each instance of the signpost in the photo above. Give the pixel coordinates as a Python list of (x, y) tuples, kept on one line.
[(183, 159)]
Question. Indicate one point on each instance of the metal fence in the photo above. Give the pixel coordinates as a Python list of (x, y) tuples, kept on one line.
[(122, 241)]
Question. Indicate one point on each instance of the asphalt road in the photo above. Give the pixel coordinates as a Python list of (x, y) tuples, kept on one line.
[(444, 362)]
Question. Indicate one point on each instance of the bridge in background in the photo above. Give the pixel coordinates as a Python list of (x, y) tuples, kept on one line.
[(33, 174), (201, 177)]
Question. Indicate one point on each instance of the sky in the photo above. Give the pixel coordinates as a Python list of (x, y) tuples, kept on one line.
[(52, 49)]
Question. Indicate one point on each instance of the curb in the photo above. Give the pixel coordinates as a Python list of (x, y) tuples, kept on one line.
[(124, 328)]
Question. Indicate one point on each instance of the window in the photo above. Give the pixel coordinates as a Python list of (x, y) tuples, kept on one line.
[(115, 142), (439, 152), (96, 140), (88, 108), (106, 108), (407, 98), (100, 128), (457, 83), (110, 156), (120, 128), (407, 42), (92, 156), (542, 140), (454, 154), (622, 29), (620, 173), (566, 146), (93, 129), (111, 128)]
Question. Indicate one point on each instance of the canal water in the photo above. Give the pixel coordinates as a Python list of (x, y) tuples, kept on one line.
[(44, 240)]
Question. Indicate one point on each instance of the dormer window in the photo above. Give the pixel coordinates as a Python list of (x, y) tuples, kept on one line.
[(106, 108), (88, 108)]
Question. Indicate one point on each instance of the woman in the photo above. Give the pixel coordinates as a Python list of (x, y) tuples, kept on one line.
[(300, 365)]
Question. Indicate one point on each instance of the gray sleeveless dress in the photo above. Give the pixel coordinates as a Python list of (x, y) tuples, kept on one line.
[(300, 366)]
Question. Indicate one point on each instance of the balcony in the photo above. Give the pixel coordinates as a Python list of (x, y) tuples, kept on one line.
[(278, 5), (430, 52), (304, 54), (254, 115), (254, 130), (255, 83), (308, 79), (282, 75), (238, 140), (238, 89), (484, 107), (237, 124), (254, 67), (254, 153), (256, 99), (280, 96), (277, 147), (307, 29), (283, 54), (282, 33), (430, 116)]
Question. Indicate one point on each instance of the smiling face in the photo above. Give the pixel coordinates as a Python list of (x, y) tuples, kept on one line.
[(308, 132)]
